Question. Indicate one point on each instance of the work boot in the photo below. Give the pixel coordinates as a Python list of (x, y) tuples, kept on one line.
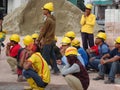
[(109, 81), (27, 88), (99, 78)]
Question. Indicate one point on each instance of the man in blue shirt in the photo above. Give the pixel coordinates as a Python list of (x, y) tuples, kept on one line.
[(103, 48), (110, 62), (76, 43)]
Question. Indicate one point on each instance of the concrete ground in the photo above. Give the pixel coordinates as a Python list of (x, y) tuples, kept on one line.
[(8, 80)]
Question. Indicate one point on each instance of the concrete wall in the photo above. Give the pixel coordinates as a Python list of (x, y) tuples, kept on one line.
[(112, 25), (13, 4)]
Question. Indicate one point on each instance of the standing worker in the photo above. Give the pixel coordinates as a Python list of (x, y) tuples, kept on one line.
[(46, 37), (87, 22)]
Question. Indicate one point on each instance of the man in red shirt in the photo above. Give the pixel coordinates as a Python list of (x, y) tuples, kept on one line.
[(12, 49)]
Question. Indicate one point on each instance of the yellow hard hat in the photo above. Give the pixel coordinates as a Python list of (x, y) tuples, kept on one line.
[(89, 6), (35, 36), (4, 31), (56, 38), (117, 40), (102, 35), (66, 41), (70, 34), (75, 43), (71, 51), (27, 40), (49, 6), (15, 37)]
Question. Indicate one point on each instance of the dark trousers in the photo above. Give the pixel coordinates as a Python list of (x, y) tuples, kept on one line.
[(32, 74), (87, 39), (49, 54)]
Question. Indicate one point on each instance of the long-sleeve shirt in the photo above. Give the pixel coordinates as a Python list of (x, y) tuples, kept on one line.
[(67, 69), (88, 23)]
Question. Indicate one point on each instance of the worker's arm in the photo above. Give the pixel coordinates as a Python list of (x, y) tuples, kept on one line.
[(91, 21), (27, 65), (83, 20), (8, 49)]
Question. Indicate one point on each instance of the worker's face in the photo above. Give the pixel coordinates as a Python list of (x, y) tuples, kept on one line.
[(45, 11), (97, 41), (87, 11), (117, 45)]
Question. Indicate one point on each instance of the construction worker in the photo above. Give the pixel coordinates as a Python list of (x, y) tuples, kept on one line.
[(22, 56), (70, 34), (111, 63), (74, 72), (87, 22), (35, 37), (103, 48), (66, 42), (36, 68), (76, 43), (12, 49), (47, 34)]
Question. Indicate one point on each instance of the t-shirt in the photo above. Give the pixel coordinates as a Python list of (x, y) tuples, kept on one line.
[(95, 48), (14, 50), (40, 66), (84, 55), (114, 52)]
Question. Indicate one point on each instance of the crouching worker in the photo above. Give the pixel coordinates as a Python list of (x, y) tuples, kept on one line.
[(74, 72), (36, 70)]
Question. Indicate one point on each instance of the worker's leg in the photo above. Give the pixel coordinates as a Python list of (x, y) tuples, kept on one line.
[(32, 74), (73, 82)]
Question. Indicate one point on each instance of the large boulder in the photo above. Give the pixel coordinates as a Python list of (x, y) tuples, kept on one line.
[(28, 18)]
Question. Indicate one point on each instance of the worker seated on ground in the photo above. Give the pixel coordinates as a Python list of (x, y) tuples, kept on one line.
[(23, 54), (76, 43), (36, 70), (103, 48), (74, 72), (12, 49), (66, 43), (111, 63)]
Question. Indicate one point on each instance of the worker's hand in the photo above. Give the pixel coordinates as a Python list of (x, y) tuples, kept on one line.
[(102, 61), (59, 62), (8, 45), (92, 58), (85, 14)]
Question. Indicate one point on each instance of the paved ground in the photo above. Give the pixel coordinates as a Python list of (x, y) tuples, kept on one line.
[(8, 80)]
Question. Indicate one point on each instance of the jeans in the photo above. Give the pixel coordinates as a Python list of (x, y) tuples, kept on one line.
[(112, 68), (94, 64), (49, 54), (87, 38), (30, 73)]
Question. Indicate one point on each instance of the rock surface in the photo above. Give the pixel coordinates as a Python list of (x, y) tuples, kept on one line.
[(28, 18)]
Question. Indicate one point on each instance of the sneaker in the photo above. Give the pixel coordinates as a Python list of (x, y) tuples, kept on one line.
[(27, 88), (99, 78), (21, 79), (109, 81)]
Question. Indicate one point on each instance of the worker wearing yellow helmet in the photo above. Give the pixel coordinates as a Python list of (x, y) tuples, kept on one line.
[(12, 49), (87, 22), (110, 62), (103, 48), (47, 34), (36, 68), (35, 37), (70, 34), (75, 74), (76, 43)]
